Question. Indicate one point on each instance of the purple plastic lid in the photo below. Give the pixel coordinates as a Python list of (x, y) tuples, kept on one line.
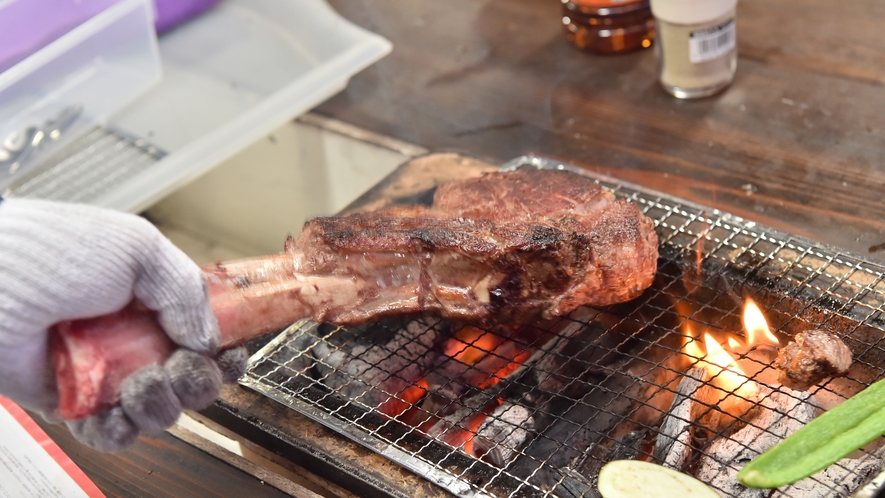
[(26, 26), (171, 13)]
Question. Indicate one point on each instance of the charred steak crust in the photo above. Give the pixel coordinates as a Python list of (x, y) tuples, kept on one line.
[(812, 356), (503, 247)]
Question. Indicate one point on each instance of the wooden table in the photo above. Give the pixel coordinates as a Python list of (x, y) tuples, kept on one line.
[(795, 143), (160, 465)]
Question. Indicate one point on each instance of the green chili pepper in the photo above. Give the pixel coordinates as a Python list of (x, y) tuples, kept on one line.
[(822, 442)]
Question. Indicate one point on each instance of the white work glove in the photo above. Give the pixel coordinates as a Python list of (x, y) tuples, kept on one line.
[(61, 261)]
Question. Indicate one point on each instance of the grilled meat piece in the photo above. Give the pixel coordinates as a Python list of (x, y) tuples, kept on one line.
[(811, 357), (504, 247)]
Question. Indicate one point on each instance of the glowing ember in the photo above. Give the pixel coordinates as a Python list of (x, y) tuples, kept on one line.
[(399, 405), (493, 356), (472, 344), (476, 360), (464, 437)]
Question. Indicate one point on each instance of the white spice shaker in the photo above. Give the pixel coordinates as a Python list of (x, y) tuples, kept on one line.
[(696, 45)]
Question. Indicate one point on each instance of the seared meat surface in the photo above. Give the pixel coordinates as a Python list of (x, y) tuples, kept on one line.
[(811, 357), (504, 247)]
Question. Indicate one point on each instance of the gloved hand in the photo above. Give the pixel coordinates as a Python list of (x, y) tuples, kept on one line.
[(62, 261), (153, 397)]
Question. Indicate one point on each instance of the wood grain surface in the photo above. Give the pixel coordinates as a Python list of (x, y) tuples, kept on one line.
[(159, 465), (796, 142)]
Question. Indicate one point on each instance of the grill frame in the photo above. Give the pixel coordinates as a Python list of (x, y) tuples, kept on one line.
[(798, 269)]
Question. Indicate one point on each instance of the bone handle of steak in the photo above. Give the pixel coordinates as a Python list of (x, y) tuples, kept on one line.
[(92, 356)]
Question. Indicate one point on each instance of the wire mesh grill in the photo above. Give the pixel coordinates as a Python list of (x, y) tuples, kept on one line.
[(88, 167), (536, 410)]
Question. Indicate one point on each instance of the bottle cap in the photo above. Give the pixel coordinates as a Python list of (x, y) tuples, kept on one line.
[(691, 11)]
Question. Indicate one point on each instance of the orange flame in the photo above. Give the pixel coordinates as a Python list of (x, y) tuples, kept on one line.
[(725, 371), (722, 366), (756, 325)]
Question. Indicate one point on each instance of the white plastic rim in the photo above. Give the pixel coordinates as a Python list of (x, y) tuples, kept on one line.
[(691, 11), (349, 50)]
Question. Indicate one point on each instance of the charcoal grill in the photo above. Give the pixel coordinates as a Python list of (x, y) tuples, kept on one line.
[(573, 393)]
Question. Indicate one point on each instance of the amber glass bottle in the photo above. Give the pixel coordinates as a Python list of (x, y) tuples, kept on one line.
[(608, 26)]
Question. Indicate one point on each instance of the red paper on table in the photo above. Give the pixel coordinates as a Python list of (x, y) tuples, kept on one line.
[(31, 464)]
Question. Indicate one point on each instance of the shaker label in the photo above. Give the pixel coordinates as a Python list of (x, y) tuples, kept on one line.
[(711, 43), (603, 3)]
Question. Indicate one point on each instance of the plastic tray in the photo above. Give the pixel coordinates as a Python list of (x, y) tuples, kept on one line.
[(230, 77), (68, 71)]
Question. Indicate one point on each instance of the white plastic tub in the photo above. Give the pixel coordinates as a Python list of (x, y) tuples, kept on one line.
[(98, 67), (232, 76)]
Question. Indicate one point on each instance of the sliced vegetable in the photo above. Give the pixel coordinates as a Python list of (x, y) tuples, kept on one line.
[(638, 479), (822, 442)]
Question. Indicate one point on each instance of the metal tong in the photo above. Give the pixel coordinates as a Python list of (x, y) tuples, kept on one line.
[(19, 146)]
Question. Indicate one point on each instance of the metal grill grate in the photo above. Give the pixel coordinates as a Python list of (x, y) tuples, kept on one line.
[(88, 167), (537, 410)]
